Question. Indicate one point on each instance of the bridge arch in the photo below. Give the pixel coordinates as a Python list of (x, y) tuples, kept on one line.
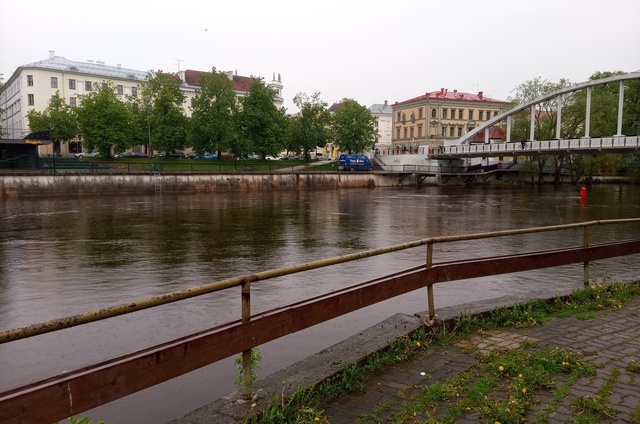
[(588, 85)]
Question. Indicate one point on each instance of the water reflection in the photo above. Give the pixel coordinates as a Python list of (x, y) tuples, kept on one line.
[(64, 256)]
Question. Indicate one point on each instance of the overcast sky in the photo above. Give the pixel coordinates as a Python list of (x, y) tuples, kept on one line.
[(367, 50)]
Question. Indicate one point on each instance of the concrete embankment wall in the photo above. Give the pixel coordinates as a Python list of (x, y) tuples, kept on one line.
[(92, 184)]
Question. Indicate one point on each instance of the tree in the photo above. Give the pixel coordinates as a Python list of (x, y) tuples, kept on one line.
[(167, 122), (262, 125), (105, 121), (213, 125), (546, 116), (311, 127), (354, 127), (58, 118)]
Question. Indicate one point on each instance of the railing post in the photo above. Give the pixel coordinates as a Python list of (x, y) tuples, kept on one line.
[(247, 381), (432, 308), (586, 263)]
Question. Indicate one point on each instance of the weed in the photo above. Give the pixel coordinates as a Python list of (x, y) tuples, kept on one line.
[(256, 357), (633, 367)]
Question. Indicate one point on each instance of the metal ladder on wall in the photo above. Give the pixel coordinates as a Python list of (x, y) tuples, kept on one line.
[(157, 182)]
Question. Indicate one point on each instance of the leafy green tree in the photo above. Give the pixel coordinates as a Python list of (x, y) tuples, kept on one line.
[(167, 122), (59, 118), (546, 115), (213, 120), (105, 121), (140, 109), (311, 127), (354, 127), (262, 125)]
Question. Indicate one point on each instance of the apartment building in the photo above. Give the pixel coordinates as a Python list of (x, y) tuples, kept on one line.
[(31, 86), (438, 116)]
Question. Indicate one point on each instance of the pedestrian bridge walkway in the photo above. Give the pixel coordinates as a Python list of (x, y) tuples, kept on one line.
[(615, 144)]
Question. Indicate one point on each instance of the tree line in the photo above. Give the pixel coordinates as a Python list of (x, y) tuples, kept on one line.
[(219, 121)]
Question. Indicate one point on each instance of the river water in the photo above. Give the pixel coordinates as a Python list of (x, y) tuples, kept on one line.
[(62, 256)]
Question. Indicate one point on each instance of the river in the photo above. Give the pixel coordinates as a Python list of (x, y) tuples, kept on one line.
[(62, 256)]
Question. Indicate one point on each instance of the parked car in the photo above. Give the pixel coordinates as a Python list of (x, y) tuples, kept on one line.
[(178, 154), (83, 155), (132, 155)]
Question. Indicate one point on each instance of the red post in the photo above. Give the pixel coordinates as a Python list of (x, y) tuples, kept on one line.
[(583, 195)]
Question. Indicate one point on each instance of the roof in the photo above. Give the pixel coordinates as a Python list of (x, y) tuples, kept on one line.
[(240, 83), (495, 133), (454, 95), (59, 63), (381, 109)]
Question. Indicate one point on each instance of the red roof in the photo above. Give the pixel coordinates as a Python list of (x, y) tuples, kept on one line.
[(455, 95), (239, 83), (495, 133)]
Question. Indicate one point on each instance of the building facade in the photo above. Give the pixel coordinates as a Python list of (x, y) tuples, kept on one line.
[(439, 116), (384, 113), (31, 86)]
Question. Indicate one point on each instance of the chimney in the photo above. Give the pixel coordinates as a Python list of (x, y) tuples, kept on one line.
[(480, 95), (230, 75), (455, 91), (52, 54), (386, 103)]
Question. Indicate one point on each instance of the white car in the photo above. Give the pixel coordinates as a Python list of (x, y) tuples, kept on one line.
[(83, 155)]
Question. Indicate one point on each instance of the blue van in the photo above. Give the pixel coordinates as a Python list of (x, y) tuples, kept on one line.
[(354, 162)]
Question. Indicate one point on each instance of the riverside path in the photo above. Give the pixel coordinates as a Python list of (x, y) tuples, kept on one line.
[(610, 341)]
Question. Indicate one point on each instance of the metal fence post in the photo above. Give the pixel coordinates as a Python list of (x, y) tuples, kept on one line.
[(432, 308), (586, 263), (247, 382)]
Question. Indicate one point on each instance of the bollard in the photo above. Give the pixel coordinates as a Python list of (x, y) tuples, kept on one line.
[(583, 195)]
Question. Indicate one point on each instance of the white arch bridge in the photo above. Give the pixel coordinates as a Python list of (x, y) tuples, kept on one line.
[(617, 143)]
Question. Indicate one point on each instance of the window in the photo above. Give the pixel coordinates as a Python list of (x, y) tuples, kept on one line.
[(411, 131), (451, 131), (433, 113), (481, 115), (134, 91), (459, 131), (470, 114), (444, 113), (398, 132), (87, 86), (72, 84), (72, 102), (104, 85), (460, 114), (31, 100), (54, 82), (420, 129), (399, 117), (444, 131), (120, 90), (405, 132), (420, 113), (30, 80)]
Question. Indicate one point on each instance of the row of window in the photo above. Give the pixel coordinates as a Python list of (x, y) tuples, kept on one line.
[(88, 85), (450, 114), (454, 131)]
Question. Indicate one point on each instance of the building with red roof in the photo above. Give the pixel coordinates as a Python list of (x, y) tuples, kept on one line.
[(438, 116)]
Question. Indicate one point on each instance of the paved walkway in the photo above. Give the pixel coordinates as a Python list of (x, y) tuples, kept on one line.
[(610, 341)]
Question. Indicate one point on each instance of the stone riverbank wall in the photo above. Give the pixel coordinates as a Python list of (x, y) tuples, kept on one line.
[(100, 184)]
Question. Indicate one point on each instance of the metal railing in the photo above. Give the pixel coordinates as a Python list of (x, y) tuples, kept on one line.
[(62, 396), (515, 148)]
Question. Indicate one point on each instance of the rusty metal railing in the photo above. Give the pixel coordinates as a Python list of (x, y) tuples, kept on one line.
[(179, 356)]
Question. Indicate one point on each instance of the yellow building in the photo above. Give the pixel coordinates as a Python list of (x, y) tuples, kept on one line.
[(433, 118)]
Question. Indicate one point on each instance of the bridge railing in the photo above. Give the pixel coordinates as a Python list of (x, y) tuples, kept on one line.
[(73, 392), (522, 147)]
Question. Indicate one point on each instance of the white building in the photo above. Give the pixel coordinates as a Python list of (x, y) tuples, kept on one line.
[(384, 113), (31, 86)]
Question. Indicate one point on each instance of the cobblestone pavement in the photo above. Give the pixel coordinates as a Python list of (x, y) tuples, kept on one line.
[(608, 340)]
